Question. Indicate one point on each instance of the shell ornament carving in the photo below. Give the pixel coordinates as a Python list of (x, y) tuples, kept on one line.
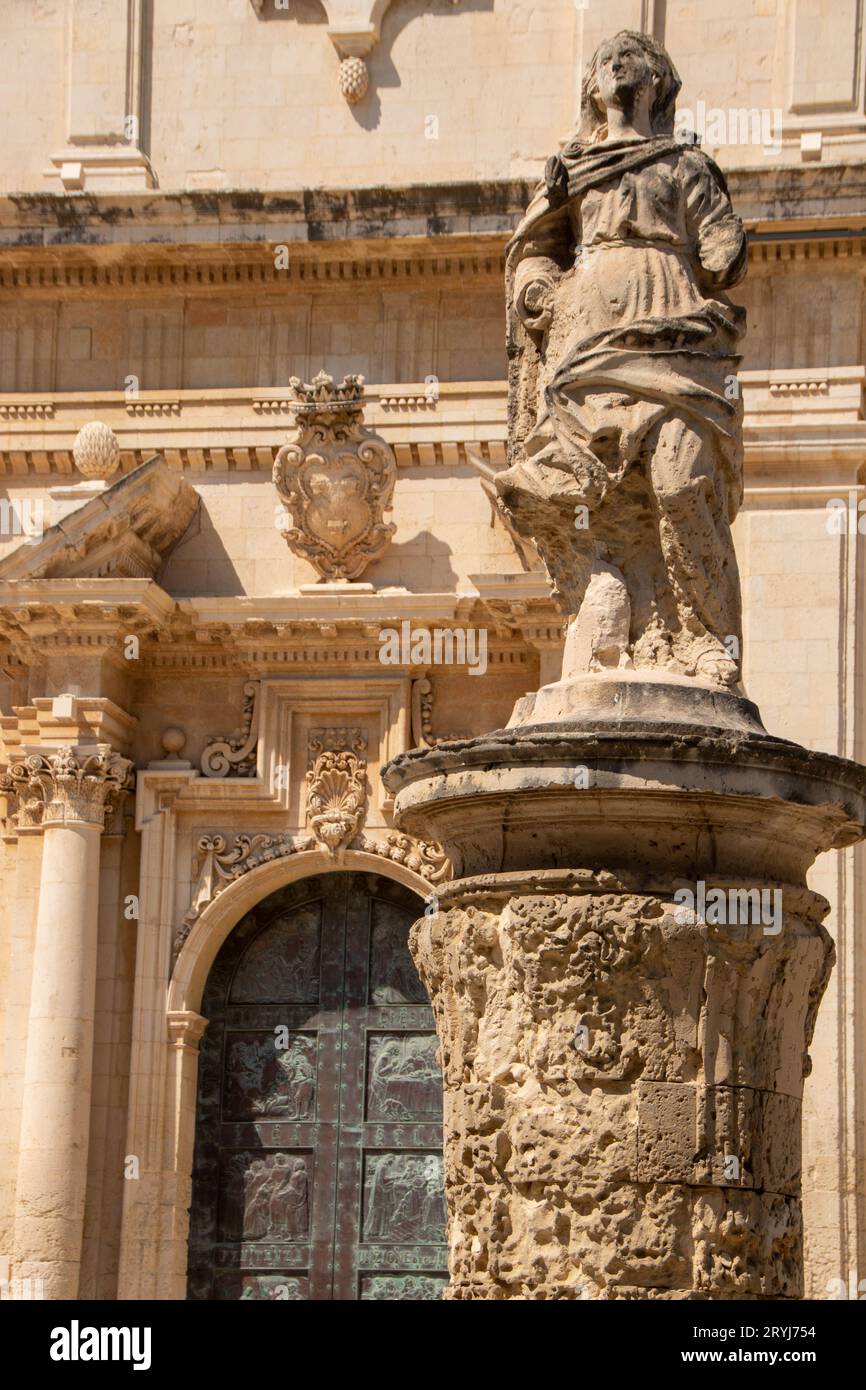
[(336, 798)]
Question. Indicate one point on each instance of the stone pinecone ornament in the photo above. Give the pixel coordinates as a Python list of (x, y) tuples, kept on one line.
[(96, 451), (354, 79)]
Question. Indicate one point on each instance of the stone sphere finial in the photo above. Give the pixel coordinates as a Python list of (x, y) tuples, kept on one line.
[(173, 740), (96, 451), (354, 79)]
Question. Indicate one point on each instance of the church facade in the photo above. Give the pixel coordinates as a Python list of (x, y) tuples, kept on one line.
[(252, 400)]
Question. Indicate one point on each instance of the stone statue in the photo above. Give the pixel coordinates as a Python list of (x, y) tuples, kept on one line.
[(625, 462), (622, 1081)]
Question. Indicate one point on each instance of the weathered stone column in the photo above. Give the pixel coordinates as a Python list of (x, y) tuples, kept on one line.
[(69, 790), (623, 1072)]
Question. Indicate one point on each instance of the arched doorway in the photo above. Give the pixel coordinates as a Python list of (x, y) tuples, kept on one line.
[(318, 1157)]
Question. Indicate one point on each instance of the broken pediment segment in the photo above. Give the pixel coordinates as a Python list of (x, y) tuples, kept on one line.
[(125, 531), (336, 479)]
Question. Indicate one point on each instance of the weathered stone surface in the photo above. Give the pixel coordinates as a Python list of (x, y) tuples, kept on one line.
[(625, 418), (616, 1103), (624, 1077)]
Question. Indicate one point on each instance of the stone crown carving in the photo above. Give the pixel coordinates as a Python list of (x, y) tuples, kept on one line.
[(335, 478), (67, 785)]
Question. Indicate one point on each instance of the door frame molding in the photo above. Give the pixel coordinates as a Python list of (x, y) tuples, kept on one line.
[(167, 1027)]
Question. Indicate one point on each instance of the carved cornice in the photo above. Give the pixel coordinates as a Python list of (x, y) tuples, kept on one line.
[(360, 233), (67, 787), (234, 457), (123, 532), (44, 617), (194, 268), (275, 635), (819, 411)]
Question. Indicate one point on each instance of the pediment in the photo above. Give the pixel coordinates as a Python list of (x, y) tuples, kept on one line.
[(125, 532)]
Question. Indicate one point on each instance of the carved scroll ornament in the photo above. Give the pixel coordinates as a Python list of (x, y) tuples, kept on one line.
[(216, 864), (234, 755)]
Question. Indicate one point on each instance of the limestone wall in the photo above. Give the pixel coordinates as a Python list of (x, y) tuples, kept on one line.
[(245, 93)]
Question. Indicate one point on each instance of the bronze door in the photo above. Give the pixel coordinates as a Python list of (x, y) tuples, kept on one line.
[(318, 1159)]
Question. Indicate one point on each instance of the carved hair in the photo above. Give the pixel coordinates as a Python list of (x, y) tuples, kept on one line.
[(593, 118)]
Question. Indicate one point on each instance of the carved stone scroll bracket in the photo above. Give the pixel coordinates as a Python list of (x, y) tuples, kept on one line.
[(422, 712), (67, 786), (336, 479), (234, 755), (422, 715)]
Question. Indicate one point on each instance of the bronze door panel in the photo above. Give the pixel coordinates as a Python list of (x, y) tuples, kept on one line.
[(318, 1163)]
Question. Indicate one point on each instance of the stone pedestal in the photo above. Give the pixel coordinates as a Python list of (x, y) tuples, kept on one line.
[(623, 1047)]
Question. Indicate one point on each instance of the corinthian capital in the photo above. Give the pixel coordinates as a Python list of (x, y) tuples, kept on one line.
[(67, 786)]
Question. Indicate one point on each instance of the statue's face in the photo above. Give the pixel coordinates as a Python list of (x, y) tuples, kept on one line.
[(622, 73)]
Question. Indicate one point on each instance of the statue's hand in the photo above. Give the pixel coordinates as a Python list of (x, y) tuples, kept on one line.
[(556, 179), (536, 305)]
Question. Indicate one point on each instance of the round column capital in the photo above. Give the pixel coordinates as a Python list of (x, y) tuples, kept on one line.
[(67, 785)]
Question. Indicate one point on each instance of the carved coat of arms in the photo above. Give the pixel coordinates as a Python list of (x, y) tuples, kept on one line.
[(336, 479)]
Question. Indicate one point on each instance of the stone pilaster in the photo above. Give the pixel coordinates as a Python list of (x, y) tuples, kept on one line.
[(68, 791)]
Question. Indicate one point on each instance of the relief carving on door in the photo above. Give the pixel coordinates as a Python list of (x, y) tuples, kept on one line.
[(318, 1162)]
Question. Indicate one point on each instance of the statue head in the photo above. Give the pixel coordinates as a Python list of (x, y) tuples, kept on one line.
[(625, 71)]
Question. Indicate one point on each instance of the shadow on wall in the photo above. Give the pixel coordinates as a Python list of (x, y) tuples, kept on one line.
[(381, 68), (200, 564), (421, 564)]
